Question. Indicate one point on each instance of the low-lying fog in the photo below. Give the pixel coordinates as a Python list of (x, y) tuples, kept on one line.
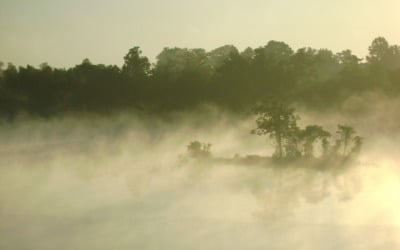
[(118, 183)]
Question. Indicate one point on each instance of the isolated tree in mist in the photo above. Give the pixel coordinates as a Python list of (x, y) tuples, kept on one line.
[(357, 140), (292, 141), (346, 135), (309, 135), (276, 120), (325, 145), (135, 65), (198, 150)]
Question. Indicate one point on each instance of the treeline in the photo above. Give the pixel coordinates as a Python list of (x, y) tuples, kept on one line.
[(182, 79)]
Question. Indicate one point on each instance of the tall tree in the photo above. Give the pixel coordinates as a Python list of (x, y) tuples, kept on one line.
[(309, 135), (346, 134), (135, 65), (378, 50), (277, 120), (358, 141)]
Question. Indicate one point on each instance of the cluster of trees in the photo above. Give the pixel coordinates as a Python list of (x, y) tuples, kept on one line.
[(291, 142), (279, 121), (199, 150), (184, 78)]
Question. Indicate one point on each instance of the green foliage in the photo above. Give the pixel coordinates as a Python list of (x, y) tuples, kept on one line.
[(278, 121), (378, 50), (136, 66), (183, 79)]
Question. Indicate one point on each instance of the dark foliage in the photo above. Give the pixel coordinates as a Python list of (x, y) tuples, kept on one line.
[(183, 79), (291, 142)]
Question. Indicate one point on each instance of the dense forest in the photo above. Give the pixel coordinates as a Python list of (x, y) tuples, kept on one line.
[(183, 79)]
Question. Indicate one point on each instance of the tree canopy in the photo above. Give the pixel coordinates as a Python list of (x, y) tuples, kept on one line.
[(185, 78)]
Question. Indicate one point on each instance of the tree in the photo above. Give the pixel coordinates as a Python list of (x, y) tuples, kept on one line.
[(278, 121), (1, 68), (198, 150), (218, 56), (346, 58), (274, 52), (292, 141), (346, 135), (325, 146), (357, 145), (136, 66), (378, 50), (173, 62), (309, 135), (247, 54)]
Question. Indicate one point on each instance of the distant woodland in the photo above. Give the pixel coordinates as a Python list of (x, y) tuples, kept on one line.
[(184, 79)]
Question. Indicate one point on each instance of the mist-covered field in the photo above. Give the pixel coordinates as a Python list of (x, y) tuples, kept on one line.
[(121, 183)]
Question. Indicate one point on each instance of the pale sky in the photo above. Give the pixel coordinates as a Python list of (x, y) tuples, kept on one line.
[(64, 32)]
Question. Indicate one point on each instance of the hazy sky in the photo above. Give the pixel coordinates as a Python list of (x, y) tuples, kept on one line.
[(63, 32)]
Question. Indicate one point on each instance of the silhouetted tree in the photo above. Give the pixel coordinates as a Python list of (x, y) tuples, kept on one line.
[(198, 150), (346, 135), (309, 135), (277, 120), (378, 51), (357, 145), (136, 66), (347, 58)]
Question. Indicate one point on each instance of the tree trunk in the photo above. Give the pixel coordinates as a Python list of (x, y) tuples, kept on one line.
[(279, 146)]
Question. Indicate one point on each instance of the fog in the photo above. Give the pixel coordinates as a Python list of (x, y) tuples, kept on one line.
[(122, 183)]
